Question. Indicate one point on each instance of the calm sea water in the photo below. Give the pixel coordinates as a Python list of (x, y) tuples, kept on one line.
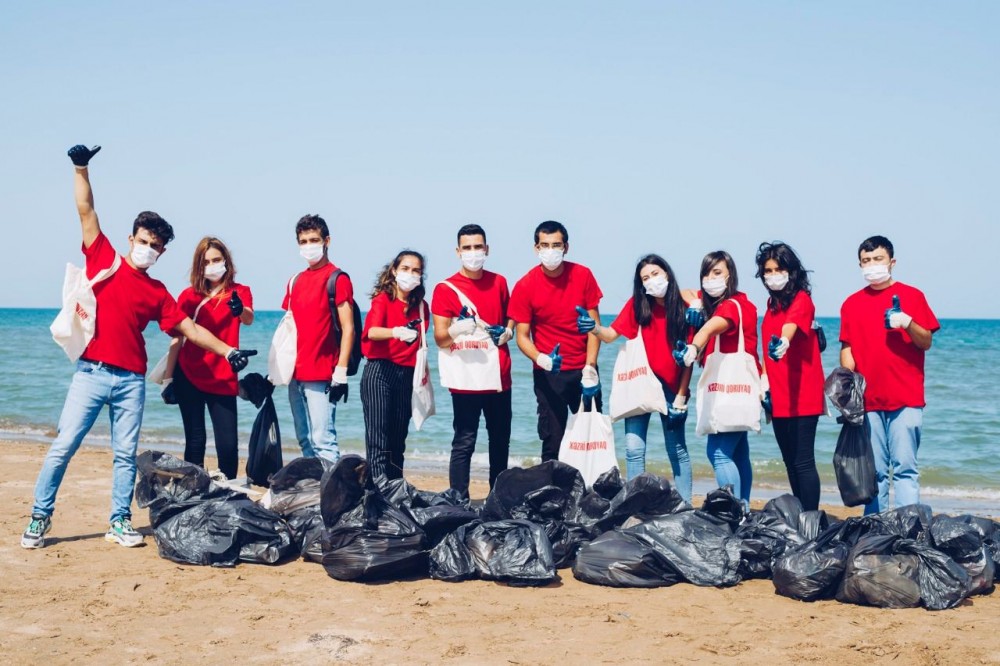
[(959, 454)]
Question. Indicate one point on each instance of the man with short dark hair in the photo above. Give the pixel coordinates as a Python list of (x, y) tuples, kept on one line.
[(320, 378), (543, 305), (472, 329), (112, 369), (885, 329)]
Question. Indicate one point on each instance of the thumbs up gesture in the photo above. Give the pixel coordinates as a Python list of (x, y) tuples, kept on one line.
[(895, 317), (584, 322)]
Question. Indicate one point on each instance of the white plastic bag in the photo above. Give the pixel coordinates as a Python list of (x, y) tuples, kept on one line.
[(73, 327), (423, 390), (729, 390), (284, 347), (472, 363), (635, 389), (589, 444)]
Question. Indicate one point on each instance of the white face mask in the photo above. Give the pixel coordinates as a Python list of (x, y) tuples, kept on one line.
[(776, 281), (311, 252), (407, 281), (143, 256), (551, 258), (214, 272), (473, 260), (714, 286), (876, 273), (656, 286)]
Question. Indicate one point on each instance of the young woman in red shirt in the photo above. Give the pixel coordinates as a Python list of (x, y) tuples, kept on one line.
[(793, 366)]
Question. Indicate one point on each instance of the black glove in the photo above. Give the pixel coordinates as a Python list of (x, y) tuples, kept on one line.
[(337, 392), (238, 358), (81, 155), (168, 395), (414, 325), (235, 304)]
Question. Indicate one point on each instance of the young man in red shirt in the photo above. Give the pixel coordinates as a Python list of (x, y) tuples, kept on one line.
[(112, 369), (885, 329), (472, 329), (320, 378), (543, 305)]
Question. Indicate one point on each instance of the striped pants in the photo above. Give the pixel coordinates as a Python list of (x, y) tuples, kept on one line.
[(386, 391)]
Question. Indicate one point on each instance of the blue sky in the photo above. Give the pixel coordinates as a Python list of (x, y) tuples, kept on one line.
[(677, 128)]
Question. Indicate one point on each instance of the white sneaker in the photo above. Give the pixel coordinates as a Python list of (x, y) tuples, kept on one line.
[(121, 531), (34, 536)]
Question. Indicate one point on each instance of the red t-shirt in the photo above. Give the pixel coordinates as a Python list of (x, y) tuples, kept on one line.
[(548, 305), (386, 313), (729, 341), (316, 350), (892, 365), (490, 297), (796, 380), (126, 302), (208, 371), (654, 339)]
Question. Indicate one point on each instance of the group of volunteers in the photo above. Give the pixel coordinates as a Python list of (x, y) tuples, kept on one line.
[(552, 314)]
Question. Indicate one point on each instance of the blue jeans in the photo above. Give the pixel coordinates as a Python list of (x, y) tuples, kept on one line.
[(636, 428), (95, 385), (314, 416), (895, 440), (729, 453)]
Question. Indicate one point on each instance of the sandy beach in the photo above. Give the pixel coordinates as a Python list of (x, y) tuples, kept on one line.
[(82, 599)]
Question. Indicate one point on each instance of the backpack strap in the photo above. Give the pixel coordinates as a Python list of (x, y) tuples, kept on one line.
[(331, 294)]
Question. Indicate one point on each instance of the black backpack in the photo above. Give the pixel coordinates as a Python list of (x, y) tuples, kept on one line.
[(354, 361)]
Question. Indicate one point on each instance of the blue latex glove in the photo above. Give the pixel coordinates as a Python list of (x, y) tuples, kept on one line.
[(685, 355), (584, 322), (501, 334), (695, 317), (464, 313), (81, 155), (766, 404), (893, 310), (777, 348), (550, 362)]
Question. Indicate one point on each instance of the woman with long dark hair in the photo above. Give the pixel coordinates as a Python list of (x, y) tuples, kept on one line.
[(793, 366), (725, 305), (398, 312), (198, 379), (656, 311)]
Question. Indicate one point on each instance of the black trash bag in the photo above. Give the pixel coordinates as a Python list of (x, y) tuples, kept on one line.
[(812, 571), (646, 496), (854, 465), (912, 521), (549, 491), (814, 523), (516, 552), (255, 388), (943, 582), (764, 535), (990, 532), (723, 505), (264, 457), (963, 543), (437, 514), (342, 488), (846, 390), (197, 521), (609, 484), (294, 495), (787, 508), (619, 559), (695, 545), (880, 574)]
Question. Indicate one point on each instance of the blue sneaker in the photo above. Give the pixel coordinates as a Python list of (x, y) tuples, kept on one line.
[(34, 536), (121, 532)]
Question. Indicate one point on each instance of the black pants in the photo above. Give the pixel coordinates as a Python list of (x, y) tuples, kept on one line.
[(796, 437), (386, 394), (495, 407), (558, 394), (222, 410)]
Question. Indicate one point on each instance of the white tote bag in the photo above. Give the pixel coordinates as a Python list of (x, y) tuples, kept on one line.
[(159, 372), (73, 327), (284, 347), (635, 389), (729, 390), (423, 390), (589, 444), (472, 363)]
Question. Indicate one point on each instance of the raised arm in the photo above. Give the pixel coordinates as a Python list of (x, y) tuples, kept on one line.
[(81, 156)]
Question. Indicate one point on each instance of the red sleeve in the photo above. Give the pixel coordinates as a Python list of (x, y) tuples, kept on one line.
[(845, 323), (344, 289), (100, 255), (169, 314), (625, 322), (921, 312), (444, 302), (504, 299), (802, 311), (245, 295), (288, 295), (727, 310), (519, 308), (592, 292), (376, 315)]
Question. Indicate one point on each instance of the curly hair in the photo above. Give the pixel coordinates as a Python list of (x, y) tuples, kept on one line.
[(155, 225), (385, 283), (787, 260)]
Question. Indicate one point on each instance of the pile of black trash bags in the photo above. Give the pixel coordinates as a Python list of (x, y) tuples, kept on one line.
[(638, 533)]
